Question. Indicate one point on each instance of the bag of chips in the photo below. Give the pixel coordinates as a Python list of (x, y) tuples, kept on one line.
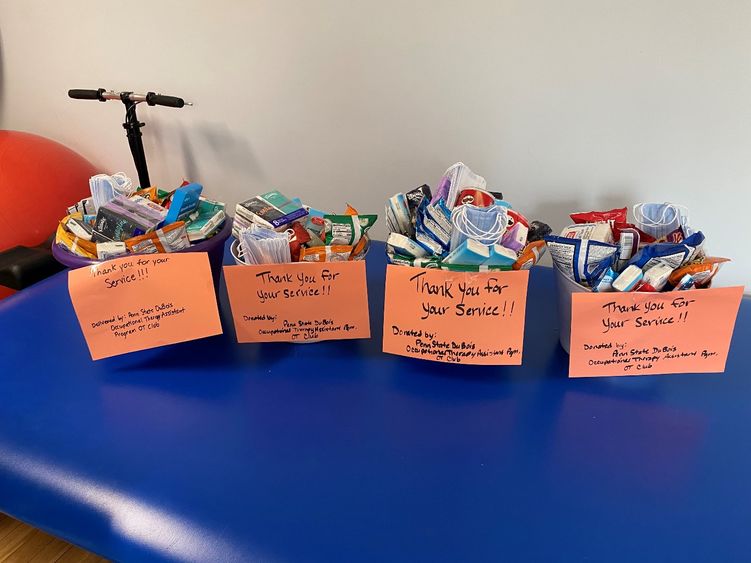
[(616, 215)]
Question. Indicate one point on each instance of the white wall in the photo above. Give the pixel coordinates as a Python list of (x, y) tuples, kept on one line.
[(564, 105)]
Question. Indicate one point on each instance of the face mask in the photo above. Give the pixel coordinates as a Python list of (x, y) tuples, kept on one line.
[(660, 219), (486, 225)]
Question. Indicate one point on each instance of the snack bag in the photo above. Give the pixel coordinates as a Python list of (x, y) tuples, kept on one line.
[(402, 260), (616, 215), (530, 255), (346, 229), (672, 254), (298, 237), (429, 233), (151, 194), (601, 232), (333, 253), (113, 249), (584, 261), (76, 245), (701, 272), (170, 238)]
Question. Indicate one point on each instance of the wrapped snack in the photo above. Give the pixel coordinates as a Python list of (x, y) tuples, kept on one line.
[(616, 215), (74, 244), (107, 250), (530, 255), (406, 246), (402, 260), (398, 218), (415, 198), (346, 229), (359, 248), (440, 214), (331, 253), (584, 261), (628, 279), (601, 232), (672, 254), (298, 236), (701, 273), (656, 278), (170, 238), (152, 194), (429, 233), (79, 228)]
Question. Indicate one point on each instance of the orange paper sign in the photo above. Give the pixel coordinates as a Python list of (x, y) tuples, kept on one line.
[(144, 301), (457, 317), (299, 302), (649, 333)]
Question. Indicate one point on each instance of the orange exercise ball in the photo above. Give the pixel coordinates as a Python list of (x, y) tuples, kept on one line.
[(39, 179)]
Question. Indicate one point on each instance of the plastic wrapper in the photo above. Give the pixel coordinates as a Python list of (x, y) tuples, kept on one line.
[(429, 233), (346, 229), (656, 278), (530, 256), (671, 254), (605, 283), (601, 232), (107, 250), (170, 238), (701, 272), (415, 197), (298, 237), (616, 215), (405, 246), (402, 260), (331, 253), (398, 217), (629, 279), (74, 244), (584, 261)]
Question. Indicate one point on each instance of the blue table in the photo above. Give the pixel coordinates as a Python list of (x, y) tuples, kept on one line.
[(336, 452)]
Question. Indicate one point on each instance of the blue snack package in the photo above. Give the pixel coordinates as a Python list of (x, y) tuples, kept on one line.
[(441, 214), (669, 253), (582, 260), (606, 281), (184, 202), (429, 233)]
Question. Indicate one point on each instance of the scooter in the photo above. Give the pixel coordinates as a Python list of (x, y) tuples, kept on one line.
[(132, 125)]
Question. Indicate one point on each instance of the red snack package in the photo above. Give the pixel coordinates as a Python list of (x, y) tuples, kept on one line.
[(618, 215), (298, 236)]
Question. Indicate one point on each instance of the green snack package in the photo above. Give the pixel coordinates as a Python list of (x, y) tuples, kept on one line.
[(474, 267), (402, 260), (347, 229)]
